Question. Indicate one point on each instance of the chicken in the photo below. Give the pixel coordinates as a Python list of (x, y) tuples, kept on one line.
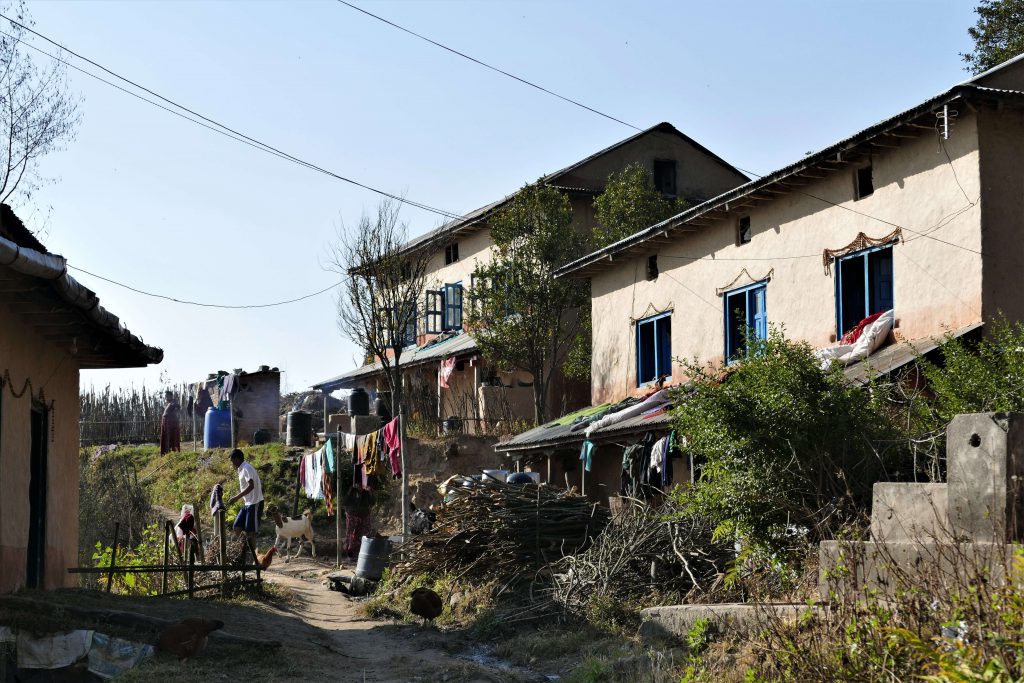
[(426, 603), (265, 559), (188, 637)]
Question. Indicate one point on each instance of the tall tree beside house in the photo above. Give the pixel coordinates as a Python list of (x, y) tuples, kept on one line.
[(521, 316), (38, 114), (382, 288), (998, 35), (631, 202)]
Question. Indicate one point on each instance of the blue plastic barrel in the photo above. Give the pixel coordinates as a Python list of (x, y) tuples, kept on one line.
[(217, 428)]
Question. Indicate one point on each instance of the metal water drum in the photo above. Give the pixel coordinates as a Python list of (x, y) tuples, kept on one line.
[(299, 429), (217, 428), (358, 402), (495, 475), (373, 558)]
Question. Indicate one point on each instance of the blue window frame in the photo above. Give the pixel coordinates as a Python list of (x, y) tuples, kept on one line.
[(864, 286), (452, 306), (746, 318), (653, 348)]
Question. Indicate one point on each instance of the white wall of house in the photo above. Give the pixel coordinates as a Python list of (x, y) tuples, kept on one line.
[(936, 285)]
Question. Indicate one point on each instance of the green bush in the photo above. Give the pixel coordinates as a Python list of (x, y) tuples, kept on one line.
[(783, 444)]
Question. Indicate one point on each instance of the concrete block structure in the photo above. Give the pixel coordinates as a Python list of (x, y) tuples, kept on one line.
[(257, 405), (966, 528)]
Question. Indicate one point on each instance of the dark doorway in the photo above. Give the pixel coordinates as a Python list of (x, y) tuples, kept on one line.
[(37, 501)]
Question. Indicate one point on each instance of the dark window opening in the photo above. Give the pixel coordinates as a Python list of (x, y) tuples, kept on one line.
[(451, 253), (36, 551), (406, 272), (746, 319), (665, 177), (865, 182), (864, 286), (653, 348), (743, 232), (652, 267)]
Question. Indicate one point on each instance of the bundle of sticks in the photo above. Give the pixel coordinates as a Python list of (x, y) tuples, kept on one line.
[(502, 532), (645, 552)]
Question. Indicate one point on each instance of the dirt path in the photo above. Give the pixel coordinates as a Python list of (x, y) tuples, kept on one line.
[(385, 652)]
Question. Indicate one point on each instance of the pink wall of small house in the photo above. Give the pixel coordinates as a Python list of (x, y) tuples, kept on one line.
[(53, 373), (936, 285)]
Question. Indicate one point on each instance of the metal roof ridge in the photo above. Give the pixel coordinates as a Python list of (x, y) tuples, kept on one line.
[(738, 192)]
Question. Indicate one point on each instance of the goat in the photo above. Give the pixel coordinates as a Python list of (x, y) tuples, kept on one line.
[(288, 528)]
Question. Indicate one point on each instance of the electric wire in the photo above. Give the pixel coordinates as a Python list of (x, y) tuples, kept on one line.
[(235, 134), (630, 125), (204, 304)]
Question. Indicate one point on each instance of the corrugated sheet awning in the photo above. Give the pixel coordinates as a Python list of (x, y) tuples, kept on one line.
[(554, 435), (456, 345), (895, 356)]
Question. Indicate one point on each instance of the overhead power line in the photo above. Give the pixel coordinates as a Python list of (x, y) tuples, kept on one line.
[(638, 128), (231, 132), (200, 303), (489, 66)]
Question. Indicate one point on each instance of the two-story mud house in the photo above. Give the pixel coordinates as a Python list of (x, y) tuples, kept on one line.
[(477, 394), (919, 214)]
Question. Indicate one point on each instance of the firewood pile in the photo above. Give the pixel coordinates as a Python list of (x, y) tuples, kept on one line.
[(644, 552), (502, 532)]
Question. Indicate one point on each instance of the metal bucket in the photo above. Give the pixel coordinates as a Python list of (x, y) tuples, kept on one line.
[(373, 558)]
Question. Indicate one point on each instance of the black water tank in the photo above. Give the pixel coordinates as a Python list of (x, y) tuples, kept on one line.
[(358, 402), (300, 429), (382, 406)]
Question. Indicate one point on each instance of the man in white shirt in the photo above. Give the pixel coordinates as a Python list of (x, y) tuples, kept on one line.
[(251, 494)]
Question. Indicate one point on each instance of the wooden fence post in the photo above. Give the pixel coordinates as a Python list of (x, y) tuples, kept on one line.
[(191, 569), (113, 555), (167, 533), (223, 554)]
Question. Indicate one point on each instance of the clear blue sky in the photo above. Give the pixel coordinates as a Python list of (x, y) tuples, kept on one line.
[(148, 199)]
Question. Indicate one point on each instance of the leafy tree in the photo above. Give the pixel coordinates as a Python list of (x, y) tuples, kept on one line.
[(37, 113), (998, 35), (630, 203), (521, 316), (783, 442)]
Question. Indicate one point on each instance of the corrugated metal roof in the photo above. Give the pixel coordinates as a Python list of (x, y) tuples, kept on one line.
[(879, 363), (564, 435), (459, 344), (476, 216), (895, 356), (602, 257)]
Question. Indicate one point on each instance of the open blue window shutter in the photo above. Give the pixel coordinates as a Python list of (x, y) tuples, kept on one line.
[(664, 341), (759, 313), (880, 269), (453, 306)]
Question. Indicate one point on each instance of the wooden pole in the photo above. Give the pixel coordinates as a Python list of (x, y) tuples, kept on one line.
[(113, 555), (298, 485), (548, 480), (191, 569), (195, 440), (337, 502), (167, 540), (223, 553), (231, 413), (405, 474)]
